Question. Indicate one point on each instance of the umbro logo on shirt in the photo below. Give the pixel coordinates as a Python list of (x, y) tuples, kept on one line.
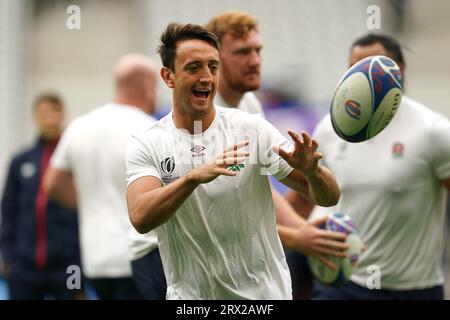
[(197, 151)]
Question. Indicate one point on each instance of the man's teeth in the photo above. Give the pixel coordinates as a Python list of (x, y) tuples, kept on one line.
[(201, 93)]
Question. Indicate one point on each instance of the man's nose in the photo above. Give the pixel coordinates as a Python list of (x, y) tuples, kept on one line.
[(206, 75), (255, 58)]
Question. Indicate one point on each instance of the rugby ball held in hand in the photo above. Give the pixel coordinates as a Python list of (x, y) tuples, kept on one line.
[(345, 266)]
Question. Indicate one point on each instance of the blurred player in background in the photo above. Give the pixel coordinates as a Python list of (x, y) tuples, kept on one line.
[(394, 188), (240, 63), (92, 151), (39, 238), (214, 211)]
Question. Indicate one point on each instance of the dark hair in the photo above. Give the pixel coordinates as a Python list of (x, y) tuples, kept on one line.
[(50, 98), (177, 32), (390, 44)]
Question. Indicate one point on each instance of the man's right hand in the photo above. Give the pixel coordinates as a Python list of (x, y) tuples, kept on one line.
[(311, 240), (220, 165), (314, 241)]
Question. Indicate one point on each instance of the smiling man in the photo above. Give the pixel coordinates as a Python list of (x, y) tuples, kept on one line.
[(212, 209)]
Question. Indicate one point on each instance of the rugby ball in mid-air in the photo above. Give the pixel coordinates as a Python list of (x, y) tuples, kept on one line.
[(345, 266), (366, 98)]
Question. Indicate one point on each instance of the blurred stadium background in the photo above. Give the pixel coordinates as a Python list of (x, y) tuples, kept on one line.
[(306, 47)]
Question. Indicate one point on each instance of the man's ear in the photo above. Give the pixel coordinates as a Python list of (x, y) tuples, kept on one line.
[(167, 76)]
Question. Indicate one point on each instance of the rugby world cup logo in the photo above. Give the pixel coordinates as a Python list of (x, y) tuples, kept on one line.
[(168, 165), (353, 109)]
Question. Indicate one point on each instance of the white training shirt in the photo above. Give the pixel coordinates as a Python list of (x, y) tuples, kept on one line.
[(249, 103), (93, 148), (390, 186), (222, 243)]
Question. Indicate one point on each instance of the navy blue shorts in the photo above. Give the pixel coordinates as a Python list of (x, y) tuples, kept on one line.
[(302, 278), (148, 274), (352, 291)]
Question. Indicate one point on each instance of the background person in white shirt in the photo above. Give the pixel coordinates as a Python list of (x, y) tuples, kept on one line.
[(394, 187), (91, 160), (213, 209), (240, 58)]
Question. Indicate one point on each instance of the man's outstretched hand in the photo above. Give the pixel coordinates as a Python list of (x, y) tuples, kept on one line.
[(220, 165), (304, 157)]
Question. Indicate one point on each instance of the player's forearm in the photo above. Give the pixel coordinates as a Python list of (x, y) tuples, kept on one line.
[(319, 188), (155, 207), (288, 237), (300, 204), (323, 187)]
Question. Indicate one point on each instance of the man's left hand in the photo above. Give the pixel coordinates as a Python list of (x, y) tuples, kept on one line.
[(304, 157)]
